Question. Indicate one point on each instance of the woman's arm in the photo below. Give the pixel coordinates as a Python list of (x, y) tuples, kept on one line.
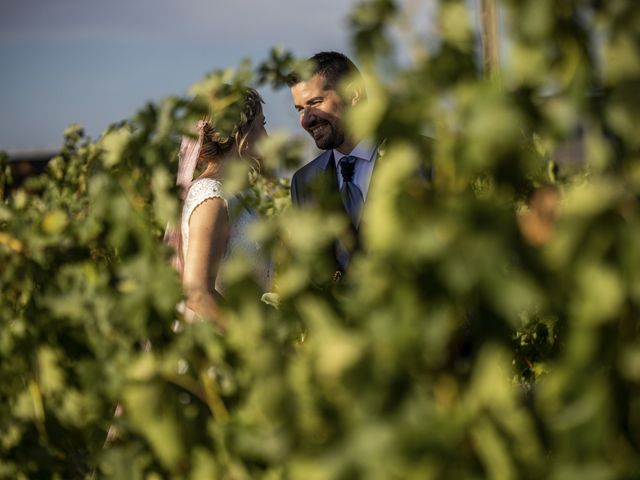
[(208, 236)]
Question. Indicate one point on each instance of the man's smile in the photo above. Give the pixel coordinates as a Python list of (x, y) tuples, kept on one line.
[(318, 129)]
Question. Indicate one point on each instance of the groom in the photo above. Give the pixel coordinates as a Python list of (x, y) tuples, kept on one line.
[(337, 180)]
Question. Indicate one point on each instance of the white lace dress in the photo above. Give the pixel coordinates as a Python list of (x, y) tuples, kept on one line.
[(240, 219)]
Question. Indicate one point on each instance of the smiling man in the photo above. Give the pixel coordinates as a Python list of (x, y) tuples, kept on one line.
[(338, 179)]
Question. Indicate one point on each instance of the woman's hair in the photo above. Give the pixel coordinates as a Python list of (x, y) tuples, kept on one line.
[(223, 131)]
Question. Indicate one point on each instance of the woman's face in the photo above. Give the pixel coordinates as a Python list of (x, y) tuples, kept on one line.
[(256, 133)]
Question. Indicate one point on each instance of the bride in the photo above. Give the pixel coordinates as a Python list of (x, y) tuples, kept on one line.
[(210, 224)]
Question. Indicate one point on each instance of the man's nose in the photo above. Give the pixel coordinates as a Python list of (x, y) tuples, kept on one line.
[(308, 118)]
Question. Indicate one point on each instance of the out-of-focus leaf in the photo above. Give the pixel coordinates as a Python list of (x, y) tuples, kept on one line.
[(599, 294), (113, 143), (156, 420)]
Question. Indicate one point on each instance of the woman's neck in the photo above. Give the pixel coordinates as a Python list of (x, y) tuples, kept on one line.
[(214, 169)]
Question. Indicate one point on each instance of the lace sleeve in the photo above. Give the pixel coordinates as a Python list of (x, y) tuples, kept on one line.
[(199, 191)]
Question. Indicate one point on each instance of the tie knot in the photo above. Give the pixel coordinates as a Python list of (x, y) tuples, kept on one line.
[(347, 168)]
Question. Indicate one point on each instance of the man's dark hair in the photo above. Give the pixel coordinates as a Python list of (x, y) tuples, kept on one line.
[(334, 67)]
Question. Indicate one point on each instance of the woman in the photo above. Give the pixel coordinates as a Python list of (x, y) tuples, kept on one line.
[(210, 225)]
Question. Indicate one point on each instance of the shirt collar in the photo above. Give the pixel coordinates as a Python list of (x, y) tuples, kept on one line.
[(365, 150)]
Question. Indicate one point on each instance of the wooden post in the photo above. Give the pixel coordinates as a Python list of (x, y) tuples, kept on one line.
[(489, 25)]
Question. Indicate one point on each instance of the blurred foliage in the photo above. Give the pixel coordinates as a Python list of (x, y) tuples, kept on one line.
[(490, 330)]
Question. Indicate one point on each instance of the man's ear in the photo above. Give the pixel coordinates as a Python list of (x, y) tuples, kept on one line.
[(355, 94)]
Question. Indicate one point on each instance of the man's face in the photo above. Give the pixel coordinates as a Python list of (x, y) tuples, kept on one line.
[(320, 109)]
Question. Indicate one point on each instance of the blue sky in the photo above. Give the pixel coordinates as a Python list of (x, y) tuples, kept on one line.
[(96, 62)]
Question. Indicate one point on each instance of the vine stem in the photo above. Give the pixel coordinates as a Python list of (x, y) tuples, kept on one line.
[(490, 40), (38, 408), (214, 401)]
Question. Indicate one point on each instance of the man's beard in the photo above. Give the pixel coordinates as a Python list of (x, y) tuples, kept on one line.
[(333, 140)]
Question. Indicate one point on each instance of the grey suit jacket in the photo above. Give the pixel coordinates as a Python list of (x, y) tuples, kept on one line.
[(316, 184)]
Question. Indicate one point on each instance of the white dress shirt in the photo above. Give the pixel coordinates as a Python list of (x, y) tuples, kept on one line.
[(365, 152)]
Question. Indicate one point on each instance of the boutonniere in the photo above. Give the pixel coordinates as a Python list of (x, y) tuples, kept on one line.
[(382, 149)]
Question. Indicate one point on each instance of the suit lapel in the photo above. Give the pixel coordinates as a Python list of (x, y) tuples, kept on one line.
[(322, 183)]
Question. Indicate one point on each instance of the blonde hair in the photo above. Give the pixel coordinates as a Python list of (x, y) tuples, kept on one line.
[(216, 142)]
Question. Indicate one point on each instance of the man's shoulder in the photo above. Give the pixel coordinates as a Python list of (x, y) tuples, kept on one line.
[(310, 169)]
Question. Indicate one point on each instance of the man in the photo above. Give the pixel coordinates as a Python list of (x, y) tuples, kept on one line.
[(338, 179)]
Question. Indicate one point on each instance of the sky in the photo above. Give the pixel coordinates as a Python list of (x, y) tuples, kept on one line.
[(95, 62)]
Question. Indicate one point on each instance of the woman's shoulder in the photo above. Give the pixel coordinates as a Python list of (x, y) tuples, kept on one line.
[(205, 187), (201, 190)]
